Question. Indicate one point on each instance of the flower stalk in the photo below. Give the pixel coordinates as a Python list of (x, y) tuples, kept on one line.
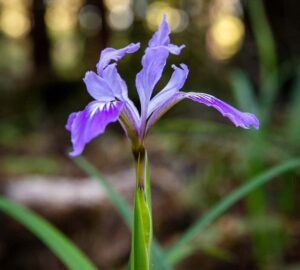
[(142, 233)]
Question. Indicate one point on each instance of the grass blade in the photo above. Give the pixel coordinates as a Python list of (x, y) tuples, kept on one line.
[(60, 245), (114, 196), (174, 252), (293, 123), (243, 92)]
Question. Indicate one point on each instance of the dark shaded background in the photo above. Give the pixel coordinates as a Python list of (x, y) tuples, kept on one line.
[(197, 156)]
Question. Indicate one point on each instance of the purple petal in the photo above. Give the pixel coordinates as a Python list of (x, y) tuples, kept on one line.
[(71, 118), (174, 85), (161, 38), (174, 49), (98, 87), (109, 54), (91, 122), (114, 80), (130, 120), (119, 87), (240, 119), (163, 108), (153, 63)]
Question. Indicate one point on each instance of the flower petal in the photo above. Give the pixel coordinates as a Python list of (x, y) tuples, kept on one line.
[(91, 122), (114, 80), (98, 87), (119, 87), (153, 62), (174, 85), (240, 119), (163, 108), (161, 38), (109, 54), (71, 118)]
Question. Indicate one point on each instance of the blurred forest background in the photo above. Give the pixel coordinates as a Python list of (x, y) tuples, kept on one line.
[(245, 52)]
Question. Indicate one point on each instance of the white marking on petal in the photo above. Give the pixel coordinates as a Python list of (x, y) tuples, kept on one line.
[(101, 106)]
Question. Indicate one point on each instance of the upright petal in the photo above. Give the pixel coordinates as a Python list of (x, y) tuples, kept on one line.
[(161, 38), (174, 85), (98, 87), (153, 62), (240, 119), (91, 122), (119, 88), (114, 80), (109, 54)]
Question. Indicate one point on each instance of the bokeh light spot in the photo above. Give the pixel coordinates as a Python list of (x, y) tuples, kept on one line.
[(178, 19), (59, 19), (225, 37), (117, 6), (90, 19), (120, 20), (15, 23)]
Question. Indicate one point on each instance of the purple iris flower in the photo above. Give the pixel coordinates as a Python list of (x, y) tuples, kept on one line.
[(111, 102)]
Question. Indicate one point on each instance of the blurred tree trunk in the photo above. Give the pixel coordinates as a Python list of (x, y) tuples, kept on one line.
[(105, 33), (41, 42)]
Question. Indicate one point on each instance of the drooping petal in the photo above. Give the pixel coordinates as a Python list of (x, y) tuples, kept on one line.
[(98, 87), (71, 118), (240, 119), (91, 122), (176, 82), (109, 54)]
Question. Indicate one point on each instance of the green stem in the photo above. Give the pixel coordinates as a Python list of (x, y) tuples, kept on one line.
[(142, 221)]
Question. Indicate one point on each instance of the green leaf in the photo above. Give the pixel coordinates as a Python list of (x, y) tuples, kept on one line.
[(174, 252), (60, 245), (243, 92), (293, 123), (264, 40)]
